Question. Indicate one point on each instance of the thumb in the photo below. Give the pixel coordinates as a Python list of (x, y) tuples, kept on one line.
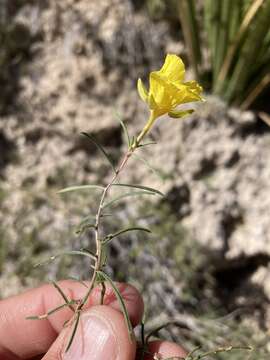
[(101, 335)]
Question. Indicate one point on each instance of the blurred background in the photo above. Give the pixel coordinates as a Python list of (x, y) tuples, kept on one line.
[(65, 67)]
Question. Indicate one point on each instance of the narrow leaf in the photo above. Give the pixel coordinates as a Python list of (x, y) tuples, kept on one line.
[(100, 147), (120, 232), (121, 302), (152, 190), (147, 144), (61, 292), (128, 194), (80, 187), (150, 167), (124, 127), (71, 252), (50, 312), (77, 280), (73, 331), (83, 227)]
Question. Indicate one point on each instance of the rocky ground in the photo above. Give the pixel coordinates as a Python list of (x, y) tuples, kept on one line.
[(68, 66)]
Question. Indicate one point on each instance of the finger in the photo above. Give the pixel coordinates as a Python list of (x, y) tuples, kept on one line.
[(34, 337), (101, 335), (165, 349)]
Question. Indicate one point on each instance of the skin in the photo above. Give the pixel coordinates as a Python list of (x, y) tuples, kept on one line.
[(45, 339)]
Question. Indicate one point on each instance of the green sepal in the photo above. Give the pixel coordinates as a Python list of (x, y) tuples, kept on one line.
[(151, 102), (142, 90), (177, 114)]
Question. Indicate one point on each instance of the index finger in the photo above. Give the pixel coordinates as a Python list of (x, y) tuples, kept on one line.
[(21, 338)]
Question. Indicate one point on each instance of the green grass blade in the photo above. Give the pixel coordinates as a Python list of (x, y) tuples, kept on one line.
[(248, 54), (100, 147), (256, 91), (212, 21), (191, 32), (223, 36), (232, 51)]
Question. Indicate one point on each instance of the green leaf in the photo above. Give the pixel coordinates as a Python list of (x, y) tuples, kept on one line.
[(124, 127), (147, 144), (147, 188), (100, 147), (77, 319), (77, 280), (50, 312), (61, 292), (109, 237), (128, 194), (150, 167), (70, 252), (83, 226), (80, 187), (121, 302)]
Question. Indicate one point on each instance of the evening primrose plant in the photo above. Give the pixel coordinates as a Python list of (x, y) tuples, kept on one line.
[(167, 92)]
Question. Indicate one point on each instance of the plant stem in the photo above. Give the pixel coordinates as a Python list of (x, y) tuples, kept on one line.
[(98, 261)]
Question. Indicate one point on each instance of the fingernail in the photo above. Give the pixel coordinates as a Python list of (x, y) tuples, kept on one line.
[(95, 340)]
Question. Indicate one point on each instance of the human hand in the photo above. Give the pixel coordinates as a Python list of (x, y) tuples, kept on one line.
[(101, 334)]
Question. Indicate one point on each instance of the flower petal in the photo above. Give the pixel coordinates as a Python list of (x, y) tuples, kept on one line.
[(188, 92), (173, 68), (142, 90), (162, 90), (176, 114)]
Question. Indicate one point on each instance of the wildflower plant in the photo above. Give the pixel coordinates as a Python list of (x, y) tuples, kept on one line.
[(167, 91)]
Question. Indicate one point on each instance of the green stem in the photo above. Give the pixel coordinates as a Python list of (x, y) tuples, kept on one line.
[(145, 130), (98, 239)]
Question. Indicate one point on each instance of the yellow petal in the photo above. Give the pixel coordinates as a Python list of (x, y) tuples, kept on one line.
[(188, 92), (162, 91), (142, 90), (194, 87), (176, 114), (173, 68)]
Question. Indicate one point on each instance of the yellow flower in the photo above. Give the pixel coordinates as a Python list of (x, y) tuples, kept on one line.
[(167, 89)]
